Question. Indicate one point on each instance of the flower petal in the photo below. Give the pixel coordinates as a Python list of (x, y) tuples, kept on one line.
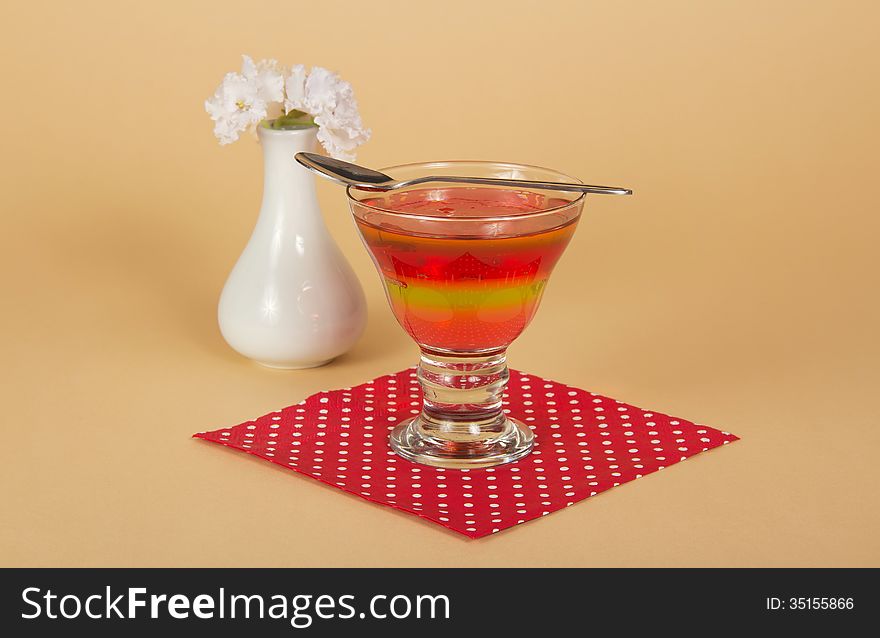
[(295, 89)]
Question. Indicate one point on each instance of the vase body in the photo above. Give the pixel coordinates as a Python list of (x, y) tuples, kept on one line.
[(292, 300)]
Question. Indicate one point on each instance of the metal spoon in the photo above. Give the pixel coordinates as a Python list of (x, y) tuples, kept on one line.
[(368, 179)]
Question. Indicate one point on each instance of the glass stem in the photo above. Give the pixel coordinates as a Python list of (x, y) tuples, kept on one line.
[(462, 396)]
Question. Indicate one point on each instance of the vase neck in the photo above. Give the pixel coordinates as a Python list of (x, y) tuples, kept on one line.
[(287, 186)]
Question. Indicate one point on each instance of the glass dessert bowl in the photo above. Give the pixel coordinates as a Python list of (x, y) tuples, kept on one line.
[(464, 269)]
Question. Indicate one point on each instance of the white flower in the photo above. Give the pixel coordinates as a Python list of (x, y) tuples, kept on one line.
[(340, 134), (323, 90), (330, 100), (267, 77), (235, 106), (261, 89), (243, 99), (295, 89)]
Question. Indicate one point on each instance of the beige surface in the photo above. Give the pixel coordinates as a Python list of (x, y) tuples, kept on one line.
[(738, 287)]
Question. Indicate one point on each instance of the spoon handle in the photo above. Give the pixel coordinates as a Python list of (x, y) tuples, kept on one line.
[(522, 183)]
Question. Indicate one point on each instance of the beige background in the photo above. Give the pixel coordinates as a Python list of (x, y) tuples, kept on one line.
[(738, 287)]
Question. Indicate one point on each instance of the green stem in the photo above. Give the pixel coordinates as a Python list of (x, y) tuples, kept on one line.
[(293, 119)]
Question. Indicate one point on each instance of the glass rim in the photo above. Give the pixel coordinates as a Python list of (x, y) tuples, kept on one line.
[(491, 218)]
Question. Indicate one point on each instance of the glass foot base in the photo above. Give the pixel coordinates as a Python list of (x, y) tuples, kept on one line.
[(411, 442)]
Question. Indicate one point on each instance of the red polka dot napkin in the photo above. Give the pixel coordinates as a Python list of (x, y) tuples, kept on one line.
[(584, 444)]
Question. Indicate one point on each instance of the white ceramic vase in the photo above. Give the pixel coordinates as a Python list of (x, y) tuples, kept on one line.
[(292, 300)]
